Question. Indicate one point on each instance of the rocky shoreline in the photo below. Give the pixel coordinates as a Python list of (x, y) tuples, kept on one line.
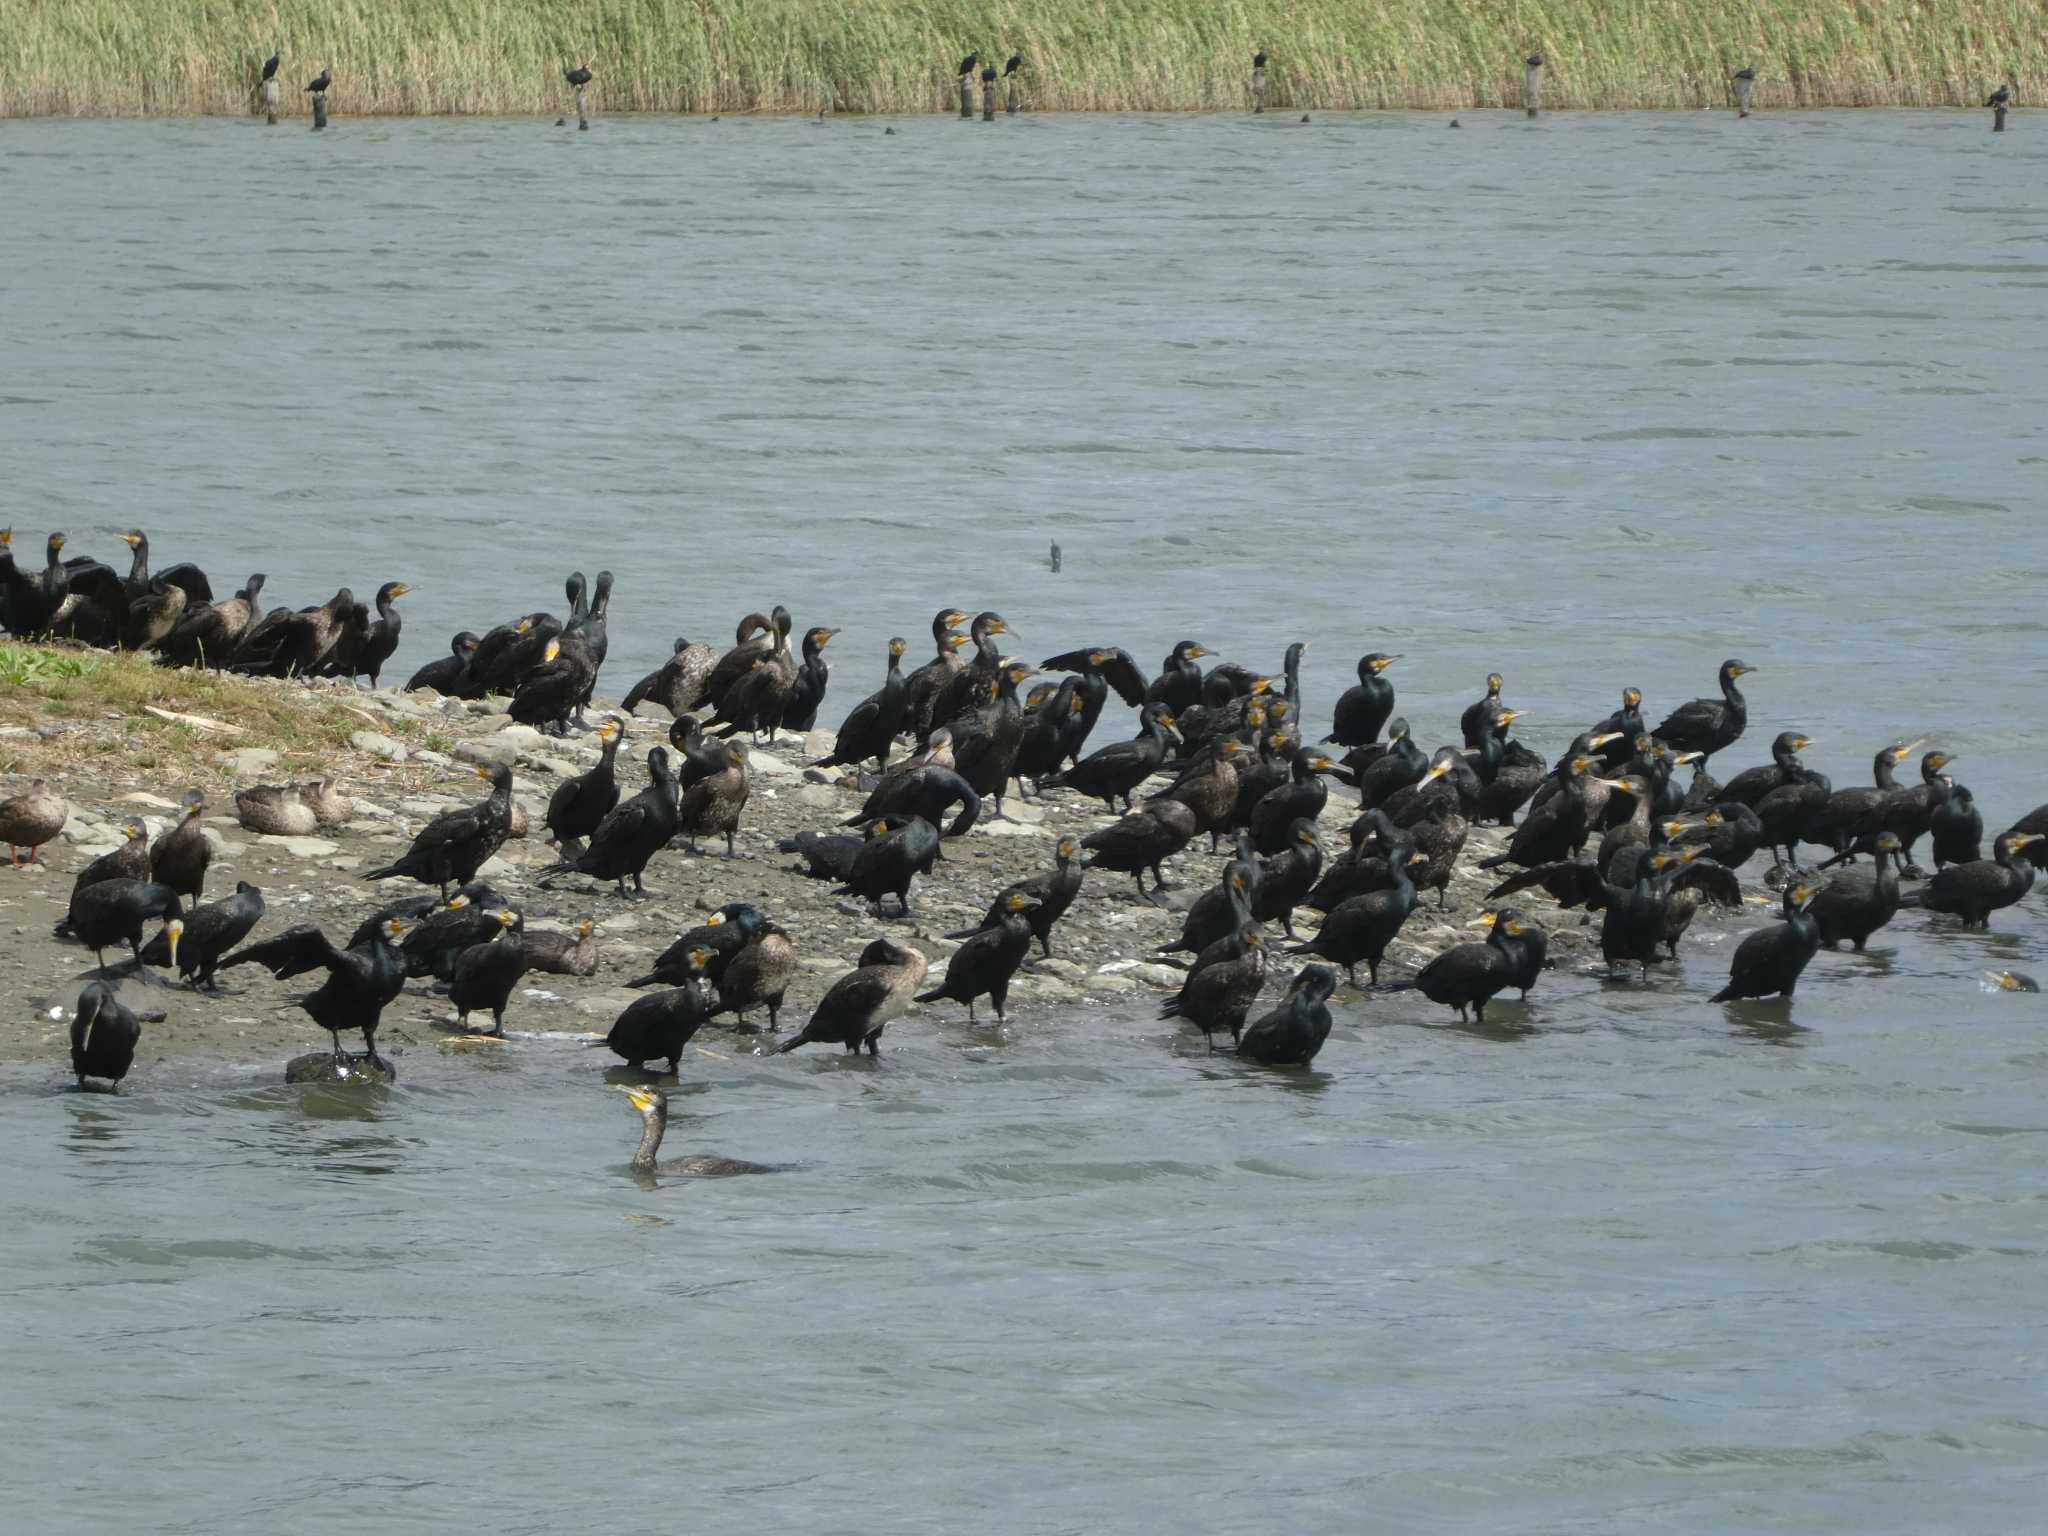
[(397, 776)]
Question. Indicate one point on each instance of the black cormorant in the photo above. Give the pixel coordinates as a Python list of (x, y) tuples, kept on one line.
[(1768, 962), (1292, 1034), (1706, 726), (984, 964)]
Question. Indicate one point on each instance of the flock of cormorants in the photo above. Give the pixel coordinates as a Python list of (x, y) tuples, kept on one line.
[(1611, 826)]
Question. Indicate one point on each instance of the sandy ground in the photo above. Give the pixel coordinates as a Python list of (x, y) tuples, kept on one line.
[(1104, 948)]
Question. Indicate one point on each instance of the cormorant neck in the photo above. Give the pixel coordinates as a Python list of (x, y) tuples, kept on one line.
[(654, 1123)]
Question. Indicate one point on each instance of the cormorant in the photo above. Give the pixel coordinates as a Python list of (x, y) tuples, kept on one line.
[(1016, 63), (1221, 910), (382, 641), (2012, 981), (434, 943), (580, 75), (571, 953), (103, 1038), (320, 82), (1305, 794), (206, 934), (1179, 683), (1361, 927), (2002, 97), (653, 1106), (967, 64), (711, 807), (1222, 985), (1362, 710), (1957, 827), (114, 911), (720, 936), (361, 980), (1479, 720), (1752, 784), (800, 712), (984, 964), (130, 861), (758, 977), (661, 1023), (1046, 724), (1469, 976), (1976, 890), (1854, 905), (1053, 892), (1852, 813), (893, 856), (631, 833), (1143, 840), (1288, 876), (451, 848), (579, 805), (870, 727), (678, 685), (445, 675), (853, 1012), (270, 64), (180, 857), (485, 974), (1768, 962), (1292, 1034), (1119, 768), (1706, 726), (1401, 764)]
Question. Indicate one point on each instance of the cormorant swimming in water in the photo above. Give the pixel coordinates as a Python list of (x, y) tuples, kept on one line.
[(653, 1106), (1291, 1034)]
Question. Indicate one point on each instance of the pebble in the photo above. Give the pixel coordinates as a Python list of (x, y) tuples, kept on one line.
[(434, 759), (300, 847), (250, 762), (377, 744), (492, 749), (764, 765), (223, 848), (140, 797), (1009, 829), (554, 765), (817, 796)]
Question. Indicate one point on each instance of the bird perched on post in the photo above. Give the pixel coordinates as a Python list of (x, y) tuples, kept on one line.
[(967, 64), (320, 82), (2002, 97), (270, 65), (577, 76), (1016, 63)]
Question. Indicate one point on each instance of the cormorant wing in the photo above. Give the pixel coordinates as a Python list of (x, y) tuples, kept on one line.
[(1714, 881), (1569, 882), (300, 948), (189, 579)]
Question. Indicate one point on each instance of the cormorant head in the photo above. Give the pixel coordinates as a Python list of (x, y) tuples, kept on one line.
[(700, 958), (954, 642), (1735, 669), (135, 827), (1899, 753), (586, 928), (1417, 857), (1509, 716), (1888, 842), (6, 538), (1398, 731), (1065, 849), (1495, 682), (1020, 901), (555, 649), (1800, 897), (194, 802), (1305, 833), (394, 929), (132, 537), (56, 543), (2012, 981), (173, 931), (608, 729), (651, 1102), (457, 902), (1442, 765), (897, 646)]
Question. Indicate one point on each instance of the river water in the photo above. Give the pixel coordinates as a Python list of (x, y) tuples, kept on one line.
[(1595, 400)]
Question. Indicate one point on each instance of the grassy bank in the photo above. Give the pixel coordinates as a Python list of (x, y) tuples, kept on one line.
[(65, 710), (178, 57)]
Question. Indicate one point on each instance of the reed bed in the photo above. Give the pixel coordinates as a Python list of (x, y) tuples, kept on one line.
[(414, 57)]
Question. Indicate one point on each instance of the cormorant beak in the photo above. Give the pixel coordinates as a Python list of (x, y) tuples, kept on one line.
[(131, 539), (1900, 754), (394, 928), (640, 1099), (1484, 920), (585, 928), (1436, 771), (1418, 857), (1262, 685), (1384, 662), (700, 958), (1508, 716), (1688, 757), (522, 626), (1603, 738), (482, 772), (1802, 743), (457, 902), (1196, 652), (173, 931), (1617, 784), (56, 541), (715, 919)]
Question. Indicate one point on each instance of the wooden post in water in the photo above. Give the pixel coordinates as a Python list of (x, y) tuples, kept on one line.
[(1055, 557), (1258, 83), (270, 102), (1998, 118), (1010, 83), (967, 95), (1532, 84), (1745, 87), (988, 94), (582, 112), (319, 110), (1997, 102)]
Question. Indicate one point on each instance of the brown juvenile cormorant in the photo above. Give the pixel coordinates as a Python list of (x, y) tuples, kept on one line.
[(720, 936), (485, 974), (753, 639), (678, 684), (711, 807), (1292, 1034), (571, 953), (1976, 890), (1768, 962), (758, 977), (1364, 709), (206, 934), (130, 861), (29, 820), (451, 848), (1706, 726), (1221, 910), (853, 1012), (1222, 985), (180, 857), (984, 964)]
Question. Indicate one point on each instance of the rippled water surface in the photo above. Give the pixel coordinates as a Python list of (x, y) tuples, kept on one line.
[(1592, 401)]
